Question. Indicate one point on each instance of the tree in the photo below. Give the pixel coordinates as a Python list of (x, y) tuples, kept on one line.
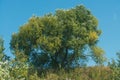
[(118, 60), (4, 69), (58, 40), (115, 67), (3, 56), (1, 49)]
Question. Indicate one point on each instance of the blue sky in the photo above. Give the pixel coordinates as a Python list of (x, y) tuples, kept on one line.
[(14, 13)]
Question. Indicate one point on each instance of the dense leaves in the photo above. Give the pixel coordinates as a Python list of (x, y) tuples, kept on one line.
[(58, 40)]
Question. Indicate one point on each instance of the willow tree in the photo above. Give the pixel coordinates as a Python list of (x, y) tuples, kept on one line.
[(59, 40)]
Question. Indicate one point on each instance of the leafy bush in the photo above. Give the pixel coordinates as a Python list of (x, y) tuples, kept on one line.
[(4, 71), (88, 73), (21, 71)]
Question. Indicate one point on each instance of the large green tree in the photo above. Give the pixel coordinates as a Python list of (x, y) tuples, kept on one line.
[(59, 40)]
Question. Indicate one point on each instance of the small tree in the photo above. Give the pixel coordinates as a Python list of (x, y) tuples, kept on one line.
[(1, 49), (4, 67), (115, 67), (118, 60)]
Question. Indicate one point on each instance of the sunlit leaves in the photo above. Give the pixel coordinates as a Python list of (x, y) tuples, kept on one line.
[(98, 55), (93, 36)]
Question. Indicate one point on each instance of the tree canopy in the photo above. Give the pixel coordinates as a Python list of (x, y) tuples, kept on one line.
[(58, 40)]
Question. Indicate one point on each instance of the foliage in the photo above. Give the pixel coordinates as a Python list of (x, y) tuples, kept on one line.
[(1, 49), (118, 60), (3, 56), (98, 55), (115, 67), (88, 73), (58, 40), (19, 70), (84, 73), (4, 71)]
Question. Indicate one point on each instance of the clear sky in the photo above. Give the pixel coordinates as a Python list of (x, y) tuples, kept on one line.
[(14, 13)]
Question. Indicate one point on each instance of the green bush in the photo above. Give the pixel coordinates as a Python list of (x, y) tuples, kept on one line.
[(21, 71)]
